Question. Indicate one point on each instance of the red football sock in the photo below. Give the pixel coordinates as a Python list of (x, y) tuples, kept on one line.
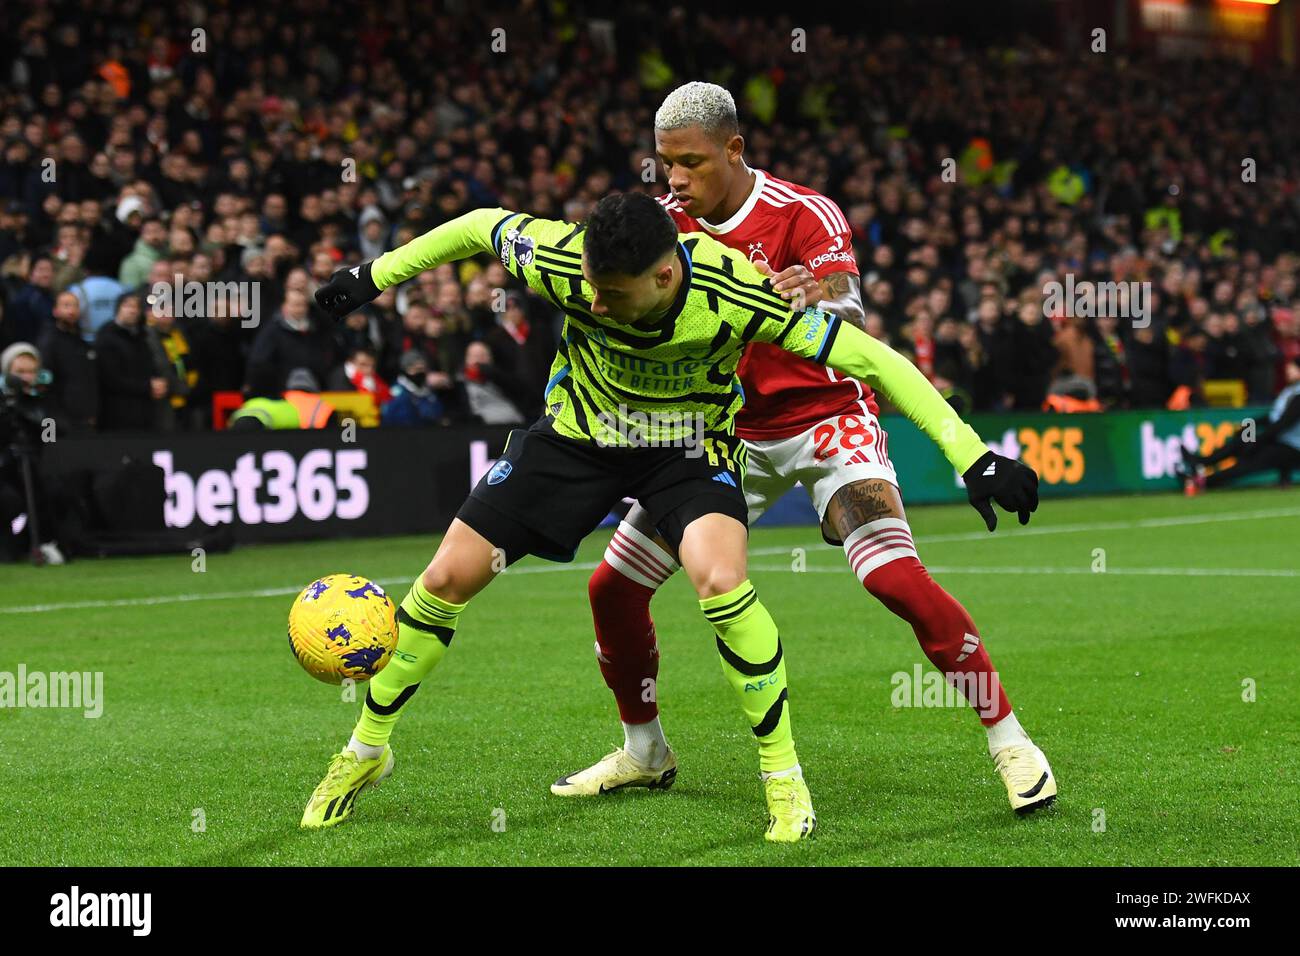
[(945, 630), (626, 648), (885, 560)]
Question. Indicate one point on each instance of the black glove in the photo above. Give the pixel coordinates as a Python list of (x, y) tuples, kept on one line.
[(1011, 483), (347, 291)]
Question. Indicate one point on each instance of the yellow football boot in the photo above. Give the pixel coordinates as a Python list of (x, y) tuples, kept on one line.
[(790, 809), (332, 801)]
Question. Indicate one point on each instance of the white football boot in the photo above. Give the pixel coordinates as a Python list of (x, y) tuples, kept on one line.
[(615, 771)]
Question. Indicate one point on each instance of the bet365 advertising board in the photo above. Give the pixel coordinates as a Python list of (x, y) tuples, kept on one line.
[(1101, 453), (310, 484)]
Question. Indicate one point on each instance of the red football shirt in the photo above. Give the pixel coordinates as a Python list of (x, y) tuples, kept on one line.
[(783, 224)]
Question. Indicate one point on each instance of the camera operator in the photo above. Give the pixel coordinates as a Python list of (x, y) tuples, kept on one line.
[(26, 500)]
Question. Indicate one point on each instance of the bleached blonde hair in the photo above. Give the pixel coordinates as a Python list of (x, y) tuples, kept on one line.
[(707, 105)]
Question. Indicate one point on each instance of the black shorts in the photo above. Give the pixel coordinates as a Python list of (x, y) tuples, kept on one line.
[(547, 492)]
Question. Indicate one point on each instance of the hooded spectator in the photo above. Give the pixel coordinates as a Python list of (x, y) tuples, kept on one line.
[(73, 395), (293, 339), (31, 309), (372, 233), (129, 384), (98, 295), (412, 402)]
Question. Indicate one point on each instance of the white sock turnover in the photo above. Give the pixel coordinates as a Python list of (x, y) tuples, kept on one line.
[(364, 751), (1005, 732), (645, 743), (789, 772)]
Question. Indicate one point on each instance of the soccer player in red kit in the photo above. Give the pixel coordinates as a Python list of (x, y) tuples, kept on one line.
[(800, 422)]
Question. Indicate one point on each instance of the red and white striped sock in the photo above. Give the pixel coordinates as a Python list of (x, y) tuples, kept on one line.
[(884, 559), (620, 590), (637, 557)]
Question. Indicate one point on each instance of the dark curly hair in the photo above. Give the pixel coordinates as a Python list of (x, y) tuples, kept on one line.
[(627, 233)]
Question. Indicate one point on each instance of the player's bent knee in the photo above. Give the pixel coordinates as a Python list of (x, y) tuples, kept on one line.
[(441, 580), (719, 580)]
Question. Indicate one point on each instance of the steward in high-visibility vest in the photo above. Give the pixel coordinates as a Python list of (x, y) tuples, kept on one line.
[(295, 410), (313, 411), (263, 413)]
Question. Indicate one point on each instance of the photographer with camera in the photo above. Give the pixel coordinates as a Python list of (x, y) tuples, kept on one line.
[(26, 512)]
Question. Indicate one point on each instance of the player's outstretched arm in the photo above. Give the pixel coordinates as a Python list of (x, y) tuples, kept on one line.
[(467, 235), (989, 476)]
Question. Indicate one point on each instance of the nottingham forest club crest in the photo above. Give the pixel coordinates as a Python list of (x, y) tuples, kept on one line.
[(756, 253)]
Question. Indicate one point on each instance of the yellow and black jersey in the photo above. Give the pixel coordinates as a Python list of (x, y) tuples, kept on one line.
[(672, 373)]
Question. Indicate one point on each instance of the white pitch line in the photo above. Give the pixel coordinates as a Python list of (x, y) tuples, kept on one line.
[(145, 601), (1153, 572), (1019, 532), (258, 593), (770, 551)]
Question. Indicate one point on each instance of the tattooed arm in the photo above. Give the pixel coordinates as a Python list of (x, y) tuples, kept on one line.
[(842, 294), (839, 292)]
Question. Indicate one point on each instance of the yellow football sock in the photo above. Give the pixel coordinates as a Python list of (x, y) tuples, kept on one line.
[(754, 665), (425, 626)]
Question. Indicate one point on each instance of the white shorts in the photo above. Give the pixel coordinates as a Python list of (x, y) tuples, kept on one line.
[(831, 454)]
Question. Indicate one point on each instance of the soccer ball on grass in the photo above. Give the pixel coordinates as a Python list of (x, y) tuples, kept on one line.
[(342, 626)]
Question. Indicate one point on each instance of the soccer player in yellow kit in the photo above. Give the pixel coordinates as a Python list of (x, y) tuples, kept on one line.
[(641, 402)]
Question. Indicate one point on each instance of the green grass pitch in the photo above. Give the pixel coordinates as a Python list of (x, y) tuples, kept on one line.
[(1131, 680)]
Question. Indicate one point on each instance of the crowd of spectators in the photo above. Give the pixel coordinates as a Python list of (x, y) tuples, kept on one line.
[(147, 147)]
